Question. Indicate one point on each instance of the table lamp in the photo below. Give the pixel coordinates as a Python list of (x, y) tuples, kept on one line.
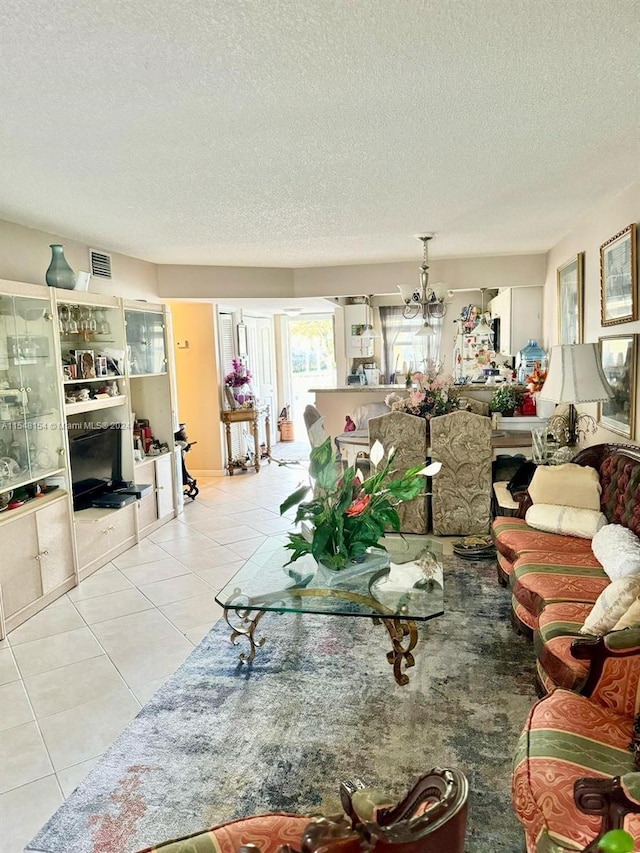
[(575, 375)]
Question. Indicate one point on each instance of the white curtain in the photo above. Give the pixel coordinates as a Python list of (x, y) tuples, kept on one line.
[(402, 349)]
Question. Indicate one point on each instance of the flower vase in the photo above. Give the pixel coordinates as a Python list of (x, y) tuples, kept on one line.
[(355, 572), (242, 395), (59, 273)]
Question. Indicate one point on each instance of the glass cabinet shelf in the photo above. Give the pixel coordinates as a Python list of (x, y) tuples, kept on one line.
[(104, 379)]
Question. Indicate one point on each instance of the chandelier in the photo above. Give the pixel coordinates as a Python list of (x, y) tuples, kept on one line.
[(422, 300)]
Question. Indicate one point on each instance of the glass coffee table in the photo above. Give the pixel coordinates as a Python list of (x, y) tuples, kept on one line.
[(397, 587)]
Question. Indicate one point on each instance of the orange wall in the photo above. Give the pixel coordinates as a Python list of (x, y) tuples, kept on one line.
[(197, 383)]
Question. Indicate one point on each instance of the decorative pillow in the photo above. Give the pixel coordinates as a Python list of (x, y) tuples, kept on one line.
[(569, 520), (613, 602), (631, 617), (568, 484), (618, 549)]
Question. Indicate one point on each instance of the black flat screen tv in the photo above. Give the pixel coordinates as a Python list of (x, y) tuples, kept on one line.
[(95, 459)]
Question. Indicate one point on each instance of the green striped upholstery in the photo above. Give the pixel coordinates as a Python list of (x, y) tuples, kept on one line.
[(567, 737)]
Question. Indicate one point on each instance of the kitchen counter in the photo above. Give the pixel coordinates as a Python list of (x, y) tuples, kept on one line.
[(386, 389), (334, 404)]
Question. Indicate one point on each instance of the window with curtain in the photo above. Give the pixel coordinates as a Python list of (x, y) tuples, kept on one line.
[(402, 350)]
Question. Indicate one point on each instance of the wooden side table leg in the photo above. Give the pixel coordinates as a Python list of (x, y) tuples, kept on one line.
[(227, 429), (256, 444)]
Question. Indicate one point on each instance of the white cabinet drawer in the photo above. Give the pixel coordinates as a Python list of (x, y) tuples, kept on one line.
[(99, 532)]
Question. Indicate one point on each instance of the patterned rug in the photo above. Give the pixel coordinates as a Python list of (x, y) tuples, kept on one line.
[(319, 704)]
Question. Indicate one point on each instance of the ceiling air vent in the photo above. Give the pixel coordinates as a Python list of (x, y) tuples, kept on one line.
[(100, 263)]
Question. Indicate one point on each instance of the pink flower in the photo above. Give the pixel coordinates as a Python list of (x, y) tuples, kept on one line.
[(416, 396), (417, 376), (358, 506)]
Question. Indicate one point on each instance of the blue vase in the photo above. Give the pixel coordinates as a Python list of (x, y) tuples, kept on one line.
[(59, 273), (527, 358)]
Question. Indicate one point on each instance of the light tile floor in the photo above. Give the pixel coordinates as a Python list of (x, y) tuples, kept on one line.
[(73, 676)]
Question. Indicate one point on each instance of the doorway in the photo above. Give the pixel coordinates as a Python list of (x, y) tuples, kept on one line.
[(308, 347)]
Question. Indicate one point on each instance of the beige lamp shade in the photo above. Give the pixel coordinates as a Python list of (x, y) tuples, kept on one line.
[(575, 375)]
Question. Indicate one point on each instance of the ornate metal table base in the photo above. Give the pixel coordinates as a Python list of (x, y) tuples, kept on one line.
[(246, 628), (398, 629), (401, 632)]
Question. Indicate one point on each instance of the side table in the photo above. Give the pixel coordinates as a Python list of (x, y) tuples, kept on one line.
[(252, 417)]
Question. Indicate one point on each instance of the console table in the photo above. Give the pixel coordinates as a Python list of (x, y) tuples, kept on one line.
[(251, 416)]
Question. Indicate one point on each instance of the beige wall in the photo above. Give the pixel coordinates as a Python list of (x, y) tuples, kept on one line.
[(590, 232), (197, 383), (198, 282), (25, 256), (500, 271)]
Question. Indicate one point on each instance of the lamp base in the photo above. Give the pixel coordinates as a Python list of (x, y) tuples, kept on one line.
[(572, 426)]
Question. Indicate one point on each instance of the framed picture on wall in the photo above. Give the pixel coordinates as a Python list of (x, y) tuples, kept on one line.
[(619, 278), (242, 339), (570, 278), (619, 356)]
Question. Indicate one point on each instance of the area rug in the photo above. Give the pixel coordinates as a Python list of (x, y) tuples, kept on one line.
[(319, 704)]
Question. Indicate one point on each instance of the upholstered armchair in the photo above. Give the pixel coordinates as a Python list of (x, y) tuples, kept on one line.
[(408, 434), (574, 775), (461, 493), (432, 818)]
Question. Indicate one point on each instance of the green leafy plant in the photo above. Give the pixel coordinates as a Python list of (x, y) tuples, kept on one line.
[(350, 514), (505, 399)]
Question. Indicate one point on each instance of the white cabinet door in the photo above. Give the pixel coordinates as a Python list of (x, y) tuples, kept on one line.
[(355, 318), (20, 576), (53, 524), (164, 485)]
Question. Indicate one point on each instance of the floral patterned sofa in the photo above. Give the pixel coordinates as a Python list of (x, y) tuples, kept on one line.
[(548, 569), (574, 775)]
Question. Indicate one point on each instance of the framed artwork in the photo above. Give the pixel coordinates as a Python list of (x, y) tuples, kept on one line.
[(619, 356), (242, 339), (570, 278), (619, 278)]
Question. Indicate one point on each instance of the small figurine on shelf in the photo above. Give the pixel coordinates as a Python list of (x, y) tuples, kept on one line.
[(349, 425)]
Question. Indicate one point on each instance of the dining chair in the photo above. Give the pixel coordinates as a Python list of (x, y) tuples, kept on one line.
[(461, 493), (408, 435)]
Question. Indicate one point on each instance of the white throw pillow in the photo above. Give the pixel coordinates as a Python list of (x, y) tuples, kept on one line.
[(631, 616), (568, 484), (613, 602), (618, 550), (568, 520)]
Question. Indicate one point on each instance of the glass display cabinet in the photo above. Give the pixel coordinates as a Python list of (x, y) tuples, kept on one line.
[(31, 422), (146, 349), (93, 353)]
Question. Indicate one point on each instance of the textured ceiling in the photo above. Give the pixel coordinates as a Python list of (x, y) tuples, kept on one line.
[(310, 132)]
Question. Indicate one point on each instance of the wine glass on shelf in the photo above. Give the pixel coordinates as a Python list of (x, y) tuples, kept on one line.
[(103, 324), (85, 323), (63, 317), (72, 323)]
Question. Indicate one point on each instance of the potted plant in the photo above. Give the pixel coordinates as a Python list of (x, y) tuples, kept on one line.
[(504, 400), (347, 513)]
